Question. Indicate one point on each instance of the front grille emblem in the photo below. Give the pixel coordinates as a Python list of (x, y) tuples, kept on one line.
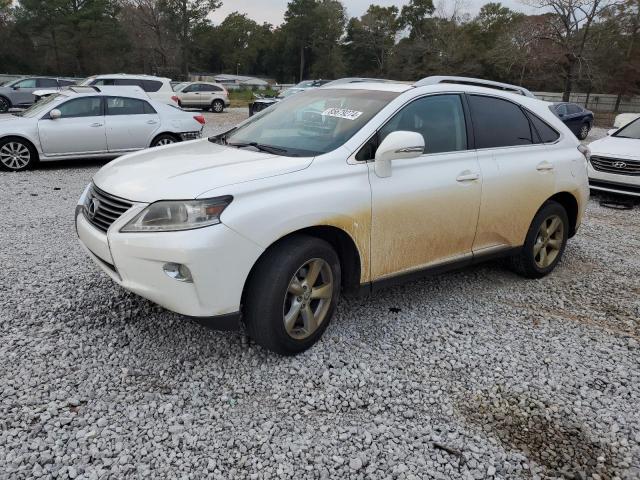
[(619, 165), (93, 207)]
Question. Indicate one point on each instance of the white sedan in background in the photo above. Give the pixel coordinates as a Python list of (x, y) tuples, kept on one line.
[(615, 161), (92, 122)]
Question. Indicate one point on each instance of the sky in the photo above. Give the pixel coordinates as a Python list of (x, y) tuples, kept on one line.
[(272, 11)]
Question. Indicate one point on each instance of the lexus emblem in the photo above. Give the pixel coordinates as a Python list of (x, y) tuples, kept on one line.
[(619, 164), (93, 207)]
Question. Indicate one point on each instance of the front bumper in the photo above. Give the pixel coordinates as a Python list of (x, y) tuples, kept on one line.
[(614, 183), (219, 260)]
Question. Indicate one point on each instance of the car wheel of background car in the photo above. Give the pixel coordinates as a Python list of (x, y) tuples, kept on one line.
[(545, 242), (164, 139), (17, 154), (5, 105), (291, 294), (217, 106), (584, 131)]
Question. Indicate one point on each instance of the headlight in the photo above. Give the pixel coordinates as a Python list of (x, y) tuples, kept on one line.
[(175, 215)]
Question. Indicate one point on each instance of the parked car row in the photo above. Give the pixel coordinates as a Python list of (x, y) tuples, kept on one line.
[(19, 93)]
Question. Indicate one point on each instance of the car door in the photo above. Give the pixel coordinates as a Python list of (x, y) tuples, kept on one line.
[(191, 96), (517, 171), (130, 123), (79, 130), (426, 212), (23, 92)]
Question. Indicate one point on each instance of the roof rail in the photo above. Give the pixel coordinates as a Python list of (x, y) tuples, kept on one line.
[(479, 82)]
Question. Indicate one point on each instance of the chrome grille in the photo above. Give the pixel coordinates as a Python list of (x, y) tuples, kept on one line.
[(616, 165), (102, 209)]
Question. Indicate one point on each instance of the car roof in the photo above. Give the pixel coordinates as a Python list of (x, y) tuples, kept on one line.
[(123, 91), (375, 86), (129, 75)]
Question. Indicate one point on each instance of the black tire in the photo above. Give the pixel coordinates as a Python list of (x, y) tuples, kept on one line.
[(164, 139), (524, 263), (584, 131), (5, 105), (266, 292), (217, 106), (11, 164)]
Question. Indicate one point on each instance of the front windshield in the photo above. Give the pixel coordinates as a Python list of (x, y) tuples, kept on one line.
[(87, 81), (306, 84), (631, 130), (40, 106), (288, 92), (311, 123)]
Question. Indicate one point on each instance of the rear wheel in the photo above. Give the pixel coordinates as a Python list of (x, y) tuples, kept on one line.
[(545, 242), (17, 154), (291, 294), (584, 131), (217, 106), (5, 105), (164, 139)]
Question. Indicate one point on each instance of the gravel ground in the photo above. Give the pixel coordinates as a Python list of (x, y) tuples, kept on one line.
[(470, 375)]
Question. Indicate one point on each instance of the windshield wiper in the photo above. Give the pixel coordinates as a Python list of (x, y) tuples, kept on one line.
[(261, 147), (221, 138)]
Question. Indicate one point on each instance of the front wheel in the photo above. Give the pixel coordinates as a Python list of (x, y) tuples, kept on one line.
[(16, 154), (5, 105), (217, 106), (584, 131), (292, 293), (545, 242)]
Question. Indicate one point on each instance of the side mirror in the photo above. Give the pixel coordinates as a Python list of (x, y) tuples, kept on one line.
[(55, 114), (612, 131), (15, 88), (396, 146)]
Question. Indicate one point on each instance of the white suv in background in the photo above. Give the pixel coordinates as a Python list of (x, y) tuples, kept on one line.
[(158, 88), (204, 95), (92, 122), (343, 188)]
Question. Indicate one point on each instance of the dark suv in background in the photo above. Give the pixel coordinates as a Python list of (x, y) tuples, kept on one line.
[(19, 93), (578, 119)]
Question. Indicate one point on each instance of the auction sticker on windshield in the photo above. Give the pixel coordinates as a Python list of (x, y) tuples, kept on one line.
[(341, 113)]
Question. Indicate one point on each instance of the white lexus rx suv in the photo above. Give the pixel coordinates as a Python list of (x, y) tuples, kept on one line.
[(345, 188)]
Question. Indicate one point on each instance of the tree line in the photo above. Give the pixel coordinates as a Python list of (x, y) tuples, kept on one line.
[(568, 45)]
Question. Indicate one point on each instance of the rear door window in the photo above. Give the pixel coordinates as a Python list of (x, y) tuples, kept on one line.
[(151, 85), (47, 83), (499, 123), (127, 106)]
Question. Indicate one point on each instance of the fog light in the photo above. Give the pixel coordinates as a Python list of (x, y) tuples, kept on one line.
[(179, 272)]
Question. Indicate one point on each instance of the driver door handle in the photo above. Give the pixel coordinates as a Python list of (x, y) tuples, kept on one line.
[(544, 166), (96, 125), (151, 122), (467, 176)]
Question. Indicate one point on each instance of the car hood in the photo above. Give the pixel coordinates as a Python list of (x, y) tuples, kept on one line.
[(189, 170), (616, 147), (10, 121)]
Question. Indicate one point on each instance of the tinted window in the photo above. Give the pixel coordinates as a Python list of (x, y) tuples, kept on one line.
[(103, 81), (127, 106), (545, 132), (47, 83), (561, 109), (151, 85), (190, 88), (81, 107), (209, 88), (438, 118), (129, 82), (26, 83), (499, 123), (573, 109), (66, 83)]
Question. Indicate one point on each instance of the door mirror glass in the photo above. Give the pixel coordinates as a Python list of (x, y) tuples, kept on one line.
[(397, 145), (55, 114)]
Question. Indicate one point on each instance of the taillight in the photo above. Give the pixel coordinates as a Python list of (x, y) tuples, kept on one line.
[(200, 119), (175, 99)]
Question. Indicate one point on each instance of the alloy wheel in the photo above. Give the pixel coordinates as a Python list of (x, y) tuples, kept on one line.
[(217, 107), (548, 242), (584, 132), (15, 155), (4, 105), (165, 141), (308, 298)]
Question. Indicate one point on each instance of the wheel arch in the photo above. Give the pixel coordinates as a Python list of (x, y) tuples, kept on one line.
[(8, 100), (343, 244), (570, 204), (24, 139), (172, 134)]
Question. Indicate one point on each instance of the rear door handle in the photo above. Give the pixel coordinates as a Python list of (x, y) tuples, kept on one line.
[(96, 125), (467, 176), (151, 122), (544, 166)]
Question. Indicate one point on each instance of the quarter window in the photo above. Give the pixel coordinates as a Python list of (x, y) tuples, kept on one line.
[(128, 106), (545, 132), (82, 107), (438, 118), (499, 123)]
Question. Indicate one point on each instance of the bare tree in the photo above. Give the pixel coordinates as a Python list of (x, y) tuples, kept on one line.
[(569, 27)]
